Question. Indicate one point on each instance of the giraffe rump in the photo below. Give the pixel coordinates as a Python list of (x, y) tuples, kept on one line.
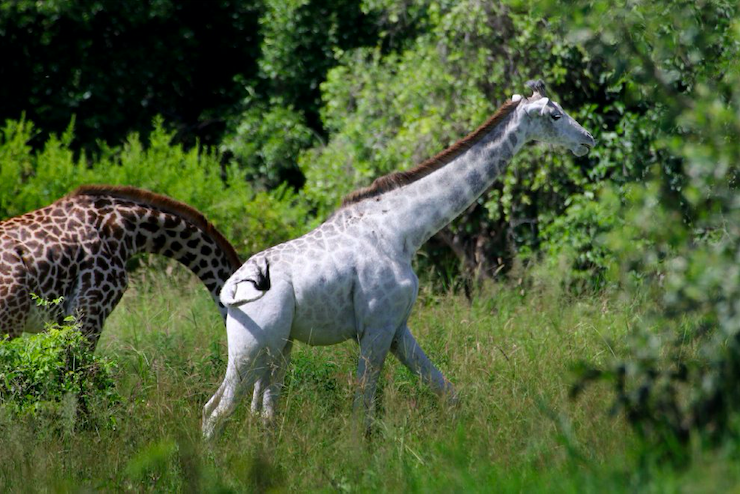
[(398, 179), (248, 284)]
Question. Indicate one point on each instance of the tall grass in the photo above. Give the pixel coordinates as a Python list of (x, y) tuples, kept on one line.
[(509, 352)]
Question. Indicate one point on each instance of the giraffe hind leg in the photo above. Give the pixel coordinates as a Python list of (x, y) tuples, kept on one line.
[(271, 393), (15, 306), (259, 390), (15, 294), (255, 332), (269, 384)]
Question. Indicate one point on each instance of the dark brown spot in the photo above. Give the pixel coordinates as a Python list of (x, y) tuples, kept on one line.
[(102, 203), (159, 242), (188, 259), (170, 222), (150, 226)]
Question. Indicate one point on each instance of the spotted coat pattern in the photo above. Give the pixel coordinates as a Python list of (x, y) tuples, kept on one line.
[(77, 248)]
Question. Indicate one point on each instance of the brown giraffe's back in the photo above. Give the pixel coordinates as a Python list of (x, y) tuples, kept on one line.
[(77, 248)]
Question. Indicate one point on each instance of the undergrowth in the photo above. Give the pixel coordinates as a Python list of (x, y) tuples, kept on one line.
[(510, 353), (54, 381)]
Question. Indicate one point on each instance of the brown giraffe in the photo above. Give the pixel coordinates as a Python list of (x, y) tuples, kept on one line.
[(78, 246)]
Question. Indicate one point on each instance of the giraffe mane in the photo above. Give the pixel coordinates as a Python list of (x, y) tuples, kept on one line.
[(398, 179), (166, 204)]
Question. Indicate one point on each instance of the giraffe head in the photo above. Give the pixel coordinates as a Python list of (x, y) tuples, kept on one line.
[(547, 122)]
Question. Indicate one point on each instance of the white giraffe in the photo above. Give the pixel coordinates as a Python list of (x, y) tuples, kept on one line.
[(351, 278)]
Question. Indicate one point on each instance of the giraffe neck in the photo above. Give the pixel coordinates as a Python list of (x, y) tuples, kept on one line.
[(129, 228), (415, 212)]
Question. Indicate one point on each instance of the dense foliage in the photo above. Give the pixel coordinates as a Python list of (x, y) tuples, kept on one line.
[(334, 94), (386, 111), (115, 65), (680, 227)]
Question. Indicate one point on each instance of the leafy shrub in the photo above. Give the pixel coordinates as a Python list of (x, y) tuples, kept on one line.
[(577, 239), (266, 144), (680, 234), (251, 219), (54, 373)]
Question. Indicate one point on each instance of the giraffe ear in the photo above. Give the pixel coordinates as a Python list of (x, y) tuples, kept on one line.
[(544, 105), (516, 97)]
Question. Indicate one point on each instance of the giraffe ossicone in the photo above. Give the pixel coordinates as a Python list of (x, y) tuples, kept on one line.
[(351, 277)]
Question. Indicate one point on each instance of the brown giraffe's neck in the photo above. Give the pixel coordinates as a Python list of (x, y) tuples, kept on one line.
[(132, 221)]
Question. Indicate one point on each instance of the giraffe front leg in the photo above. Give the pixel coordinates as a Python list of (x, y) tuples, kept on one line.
[(374, 346), (410, 354), (91, 309), (98, 293)]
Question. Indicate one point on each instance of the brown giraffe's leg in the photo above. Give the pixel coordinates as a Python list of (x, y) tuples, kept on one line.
[(92, 309), (15, 304), (98, 295), (15, 297)]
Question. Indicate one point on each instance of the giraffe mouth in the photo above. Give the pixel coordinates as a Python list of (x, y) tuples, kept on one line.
[(582, 149)]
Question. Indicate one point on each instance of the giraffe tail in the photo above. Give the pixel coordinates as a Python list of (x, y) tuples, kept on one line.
[(248, 284)]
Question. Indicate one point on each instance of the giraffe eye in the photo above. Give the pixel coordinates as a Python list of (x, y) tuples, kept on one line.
[(556, 116)]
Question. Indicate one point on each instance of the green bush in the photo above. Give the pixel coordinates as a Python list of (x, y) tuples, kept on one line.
[(266, 144), (250, 218), (576, 240), (54, 373)]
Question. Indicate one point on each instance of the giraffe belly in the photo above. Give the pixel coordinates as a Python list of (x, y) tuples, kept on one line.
[(323, 323), (324, 310)]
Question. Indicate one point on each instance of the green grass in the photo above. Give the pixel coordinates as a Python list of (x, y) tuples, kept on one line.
[(515, 430)]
